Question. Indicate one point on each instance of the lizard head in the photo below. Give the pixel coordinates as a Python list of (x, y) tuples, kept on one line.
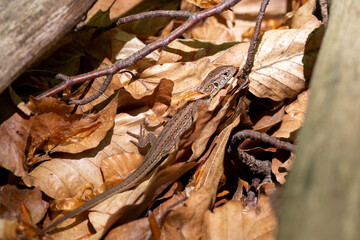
[(216, 79)]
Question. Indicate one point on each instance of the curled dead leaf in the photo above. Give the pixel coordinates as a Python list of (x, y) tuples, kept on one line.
[(14, 133), (118, 166)]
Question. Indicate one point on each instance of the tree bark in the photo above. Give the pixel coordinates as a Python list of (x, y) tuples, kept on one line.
[(29, 28), (322, 197)]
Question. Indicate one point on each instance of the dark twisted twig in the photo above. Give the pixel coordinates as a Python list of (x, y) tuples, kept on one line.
[(256, 166), (116, 67), (263, 137), (251, 198)]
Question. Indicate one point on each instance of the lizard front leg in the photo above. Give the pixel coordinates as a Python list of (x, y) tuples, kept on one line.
[(143, 141)]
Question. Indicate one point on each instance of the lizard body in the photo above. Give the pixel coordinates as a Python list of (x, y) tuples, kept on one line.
[(166, 141)]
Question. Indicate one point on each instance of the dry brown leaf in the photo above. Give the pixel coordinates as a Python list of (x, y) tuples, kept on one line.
[(90, 139), (134, 230), (212, 29), (266, 122), (73, 228), (12, 199), (159, 100), (280, 176), (246, 12), (47, 105), (303, 17), (9, 229), (70, 133), (68, 176), (158, 183), (118, 166), (294, 117), (199, 143), (234, 221), (283, 63), (14, 133), (186, 76), (185, 50), (280, 170), (65, 178), (186, 221), (205, 3)]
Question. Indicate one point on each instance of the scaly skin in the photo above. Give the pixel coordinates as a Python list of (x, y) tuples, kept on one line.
[(165, 143)]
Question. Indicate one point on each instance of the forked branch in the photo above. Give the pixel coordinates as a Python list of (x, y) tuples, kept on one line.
[(193, 18)]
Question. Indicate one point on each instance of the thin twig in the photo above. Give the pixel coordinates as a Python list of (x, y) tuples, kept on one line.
[(117, 66), (250, 57), (158, 13), (96, 94)]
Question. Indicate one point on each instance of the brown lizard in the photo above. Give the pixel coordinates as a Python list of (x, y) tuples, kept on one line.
[(163, 145)]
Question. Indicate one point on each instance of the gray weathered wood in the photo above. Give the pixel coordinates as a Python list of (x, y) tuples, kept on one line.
[(29, 28), (322, 198)]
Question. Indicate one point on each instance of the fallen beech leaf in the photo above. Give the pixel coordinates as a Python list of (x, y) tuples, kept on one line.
[(9, 229), (212, 29), (67, 204), (73, 228), (303, 17), (186, 76), (280, 170), (118, 166), (246, 12), (70, 133), (50, 129), (14, 133), (294, 117), (159, 100), (186, 221), (66, 177), (266, 122), (205, 3), (93, 135), (185, 50), (280, 176), (137, 229), (47, 105), (12, 199), (149, 191), (283, 63), (234, 221)]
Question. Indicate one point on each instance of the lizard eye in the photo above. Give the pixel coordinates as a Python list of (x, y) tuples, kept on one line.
[(216, 84)]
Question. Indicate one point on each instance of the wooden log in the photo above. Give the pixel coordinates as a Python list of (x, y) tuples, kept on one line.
[(29, 28), (322, 197)]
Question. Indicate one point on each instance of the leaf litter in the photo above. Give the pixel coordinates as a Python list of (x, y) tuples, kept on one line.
[(72, 154)]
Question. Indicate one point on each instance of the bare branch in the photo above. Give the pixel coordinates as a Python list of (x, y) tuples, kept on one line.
[(254, 39), (159, 13), (116, 67)]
